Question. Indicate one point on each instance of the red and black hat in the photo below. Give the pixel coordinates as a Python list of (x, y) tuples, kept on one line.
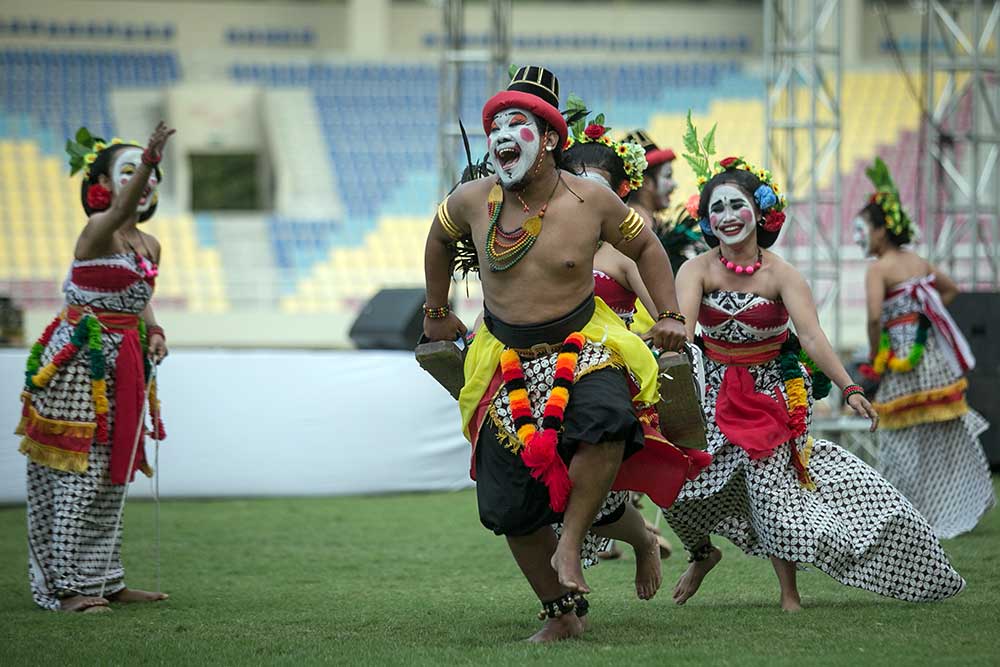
[(655, 155), (534, 89)]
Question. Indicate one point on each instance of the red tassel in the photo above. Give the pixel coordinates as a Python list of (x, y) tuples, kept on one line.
[(543, 460), (102, 428)]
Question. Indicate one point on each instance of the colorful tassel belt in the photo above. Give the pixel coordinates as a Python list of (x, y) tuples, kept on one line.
[(88, 327), (744, 354)]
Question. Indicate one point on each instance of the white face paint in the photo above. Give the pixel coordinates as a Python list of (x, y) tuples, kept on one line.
[(126, 163), (731, 214), (665, 184), (514, 143), (861, 236)]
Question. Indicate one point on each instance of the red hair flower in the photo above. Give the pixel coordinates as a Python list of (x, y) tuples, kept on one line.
[(594, 131), (728, 162), (624, 189), (692, 205), (98, 197), (773, 220)]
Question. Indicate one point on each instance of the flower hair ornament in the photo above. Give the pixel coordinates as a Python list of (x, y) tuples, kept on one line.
[(699, 154), (83, 150), (886, 196), (632, 155)]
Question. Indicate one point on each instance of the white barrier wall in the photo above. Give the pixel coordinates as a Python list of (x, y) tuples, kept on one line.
[(277, 423)]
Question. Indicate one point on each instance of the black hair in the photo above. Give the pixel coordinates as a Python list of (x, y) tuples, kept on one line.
[(876, 216), (102, 165), (747, 182), (597, 155)]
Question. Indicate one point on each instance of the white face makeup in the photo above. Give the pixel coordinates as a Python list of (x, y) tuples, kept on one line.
[(514, 144), (665, 184), (861, 236), (126, 162), (731, 214)]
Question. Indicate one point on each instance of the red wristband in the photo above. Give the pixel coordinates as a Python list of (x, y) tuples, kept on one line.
[(155, 329), (150, 158), (852, 389)]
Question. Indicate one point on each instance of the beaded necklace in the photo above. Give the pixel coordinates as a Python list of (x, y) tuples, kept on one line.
[(747, 270), (505, 249)]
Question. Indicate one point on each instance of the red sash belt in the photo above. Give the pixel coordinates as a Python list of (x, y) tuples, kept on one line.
[(756, 422), (744, 354), (129, 389)]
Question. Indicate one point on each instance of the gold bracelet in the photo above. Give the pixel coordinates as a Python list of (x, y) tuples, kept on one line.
[(669, 314), (631, 225), (436, 313)]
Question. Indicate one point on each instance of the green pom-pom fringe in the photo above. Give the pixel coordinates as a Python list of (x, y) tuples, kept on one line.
[(98, 368), (790, 368), (35, 359), (821, 384)]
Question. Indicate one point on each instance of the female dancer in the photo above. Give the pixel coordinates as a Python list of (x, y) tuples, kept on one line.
[(86, 382), (930, 447), (621, 166), (771, 488)]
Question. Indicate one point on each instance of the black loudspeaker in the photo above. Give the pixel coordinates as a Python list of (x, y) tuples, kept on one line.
[(392, 320), (977, 314)]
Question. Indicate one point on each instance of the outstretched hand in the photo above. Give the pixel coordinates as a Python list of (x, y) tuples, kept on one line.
[(864, 408), (158, 140)]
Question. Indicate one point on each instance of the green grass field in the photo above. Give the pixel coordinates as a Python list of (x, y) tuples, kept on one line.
[(414, 579)]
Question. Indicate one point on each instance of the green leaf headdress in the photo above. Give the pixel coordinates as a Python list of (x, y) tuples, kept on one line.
[(699, 156), (886, 196), (83, 149)]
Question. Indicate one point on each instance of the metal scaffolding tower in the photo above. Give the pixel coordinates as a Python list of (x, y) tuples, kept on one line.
[(455, 57), (962, 185), (802, 57)]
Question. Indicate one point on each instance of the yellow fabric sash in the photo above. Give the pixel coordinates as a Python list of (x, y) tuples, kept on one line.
[(483, 359)]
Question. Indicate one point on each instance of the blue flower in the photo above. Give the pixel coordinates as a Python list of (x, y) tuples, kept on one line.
[(765, 197), (706, 228)]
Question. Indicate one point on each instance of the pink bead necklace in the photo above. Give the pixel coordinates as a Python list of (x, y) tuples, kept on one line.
[(739, 268)]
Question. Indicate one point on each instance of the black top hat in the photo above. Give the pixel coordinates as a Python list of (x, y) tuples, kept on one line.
[(536, 81)]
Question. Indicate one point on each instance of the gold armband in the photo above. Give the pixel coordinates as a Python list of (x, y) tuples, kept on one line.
[(631, 225), (450, 228)]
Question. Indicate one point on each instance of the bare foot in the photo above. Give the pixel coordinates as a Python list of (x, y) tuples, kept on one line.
[(84, 603), (614, 553), (566, 563), (135, 595), (647, 569), (791, 602), (689, 582), (665, 548), (566, 626)]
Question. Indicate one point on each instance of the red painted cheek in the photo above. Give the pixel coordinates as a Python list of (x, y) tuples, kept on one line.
[(527, 134), (713, 218), (746, 215)]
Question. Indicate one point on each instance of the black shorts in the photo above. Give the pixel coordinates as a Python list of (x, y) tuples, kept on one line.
[(599, 411)]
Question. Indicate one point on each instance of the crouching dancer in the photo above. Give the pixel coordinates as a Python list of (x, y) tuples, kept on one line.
[(554, 382)]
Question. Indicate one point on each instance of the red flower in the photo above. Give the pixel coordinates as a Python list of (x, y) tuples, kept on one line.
[(98, 197), (728, 162), (773, 220), (624, 189), (594, 131)]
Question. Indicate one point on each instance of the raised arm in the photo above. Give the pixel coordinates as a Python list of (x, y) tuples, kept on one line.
[(448, 225), (96, 237), (627, 231), (797, 296)]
